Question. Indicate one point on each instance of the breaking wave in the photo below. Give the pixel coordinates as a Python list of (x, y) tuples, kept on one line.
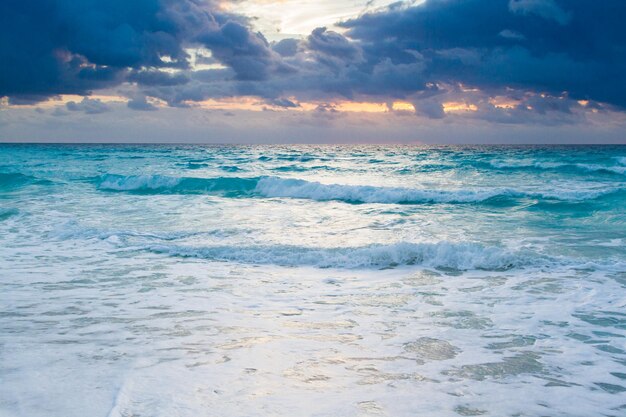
[(161, 184), (446, 255), (295, 188), (11, 180), (442, 255), (559, 166)]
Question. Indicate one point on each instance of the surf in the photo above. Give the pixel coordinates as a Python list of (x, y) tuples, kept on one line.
[(277, 187)]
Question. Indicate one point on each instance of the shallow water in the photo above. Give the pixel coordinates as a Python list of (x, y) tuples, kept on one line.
[(312, 281)]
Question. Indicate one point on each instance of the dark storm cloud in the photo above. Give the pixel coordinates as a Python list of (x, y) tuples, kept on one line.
[(50, 47), (542, 54), (576, 46), (249, 55), (332, 44), (154, 77), (559, 50)]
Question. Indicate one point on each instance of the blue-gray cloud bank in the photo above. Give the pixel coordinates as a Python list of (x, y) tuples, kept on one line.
[(74, 46), (574, 46), (545, 55)]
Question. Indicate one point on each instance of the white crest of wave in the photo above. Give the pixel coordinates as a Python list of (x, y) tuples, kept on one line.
[(595, 167), (526, 163), (447, 255), (294, 188), (137, 182), (73, 230), (572, 194), (312, 190)]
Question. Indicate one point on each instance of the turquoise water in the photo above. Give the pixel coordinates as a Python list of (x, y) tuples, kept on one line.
[(312, 281)]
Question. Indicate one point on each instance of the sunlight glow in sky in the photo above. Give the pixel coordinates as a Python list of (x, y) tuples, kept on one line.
[(297, 18)]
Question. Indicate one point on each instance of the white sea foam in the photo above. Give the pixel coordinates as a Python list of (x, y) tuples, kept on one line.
[(452, 255), (273, 187), (574, 195), (621, 160), (137, 182), (73, 230), (294, 188), (525, 164), (458, 256), (8, 212), (598, 168), (461, 256)]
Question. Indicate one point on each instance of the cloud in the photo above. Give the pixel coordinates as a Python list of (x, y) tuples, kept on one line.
[(549, 46), (547, 9), (283, 102), (286, 47), (75, 46), (542, 55), (155, 77), (332, 44), (141, 104), (511, 34), (248, 54), (431, 108), (328, 125), (88, 106)]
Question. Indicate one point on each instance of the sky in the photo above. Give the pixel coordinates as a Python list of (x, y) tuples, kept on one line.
[(304, 71)]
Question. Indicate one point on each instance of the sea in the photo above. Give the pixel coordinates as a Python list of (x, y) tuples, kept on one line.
[(327, 281)]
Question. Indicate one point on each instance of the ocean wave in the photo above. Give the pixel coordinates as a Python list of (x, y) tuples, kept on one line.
[(73, 230), (533, 165), (432, 167), (5, 213), (312, 190), (272, 187), (231, 168), (291, 168), (442, 255), (192, 165), (524, 164), (602, 168), (10, 180), (573, 195), (163, 184), (295, 188), (459, 256)]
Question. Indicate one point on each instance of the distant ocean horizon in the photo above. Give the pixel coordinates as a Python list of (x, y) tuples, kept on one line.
[(317, 280)]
